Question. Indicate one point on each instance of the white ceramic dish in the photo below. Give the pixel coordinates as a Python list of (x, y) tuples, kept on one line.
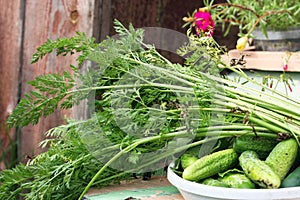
[(195, 191)]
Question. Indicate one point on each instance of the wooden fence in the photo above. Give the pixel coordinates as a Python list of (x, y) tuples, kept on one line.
[(26, 24)]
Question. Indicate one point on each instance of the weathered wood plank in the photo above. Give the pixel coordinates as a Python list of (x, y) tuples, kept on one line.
[(50, 19), (10, 42), (105, 22)]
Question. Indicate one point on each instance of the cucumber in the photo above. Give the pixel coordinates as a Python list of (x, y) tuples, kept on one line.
[(283, 156), (190, 156), (237, 180), (210, 165), (214, 182), (187, 159), (261, 145), (258, 171), (292, 180)]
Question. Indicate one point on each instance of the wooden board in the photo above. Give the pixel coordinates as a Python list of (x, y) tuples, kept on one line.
[(10, 51), (49, 19), (266, 60), (157, 188)]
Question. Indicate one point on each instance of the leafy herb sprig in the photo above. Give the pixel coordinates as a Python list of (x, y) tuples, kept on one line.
[(51, 89), (79, 43), (60, 173)]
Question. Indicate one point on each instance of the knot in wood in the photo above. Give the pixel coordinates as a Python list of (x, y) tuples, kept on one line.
[(74, 16)]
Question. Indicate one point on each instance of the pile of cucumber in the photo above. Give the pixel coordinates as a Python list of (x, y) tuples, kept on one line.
[(250, 162)]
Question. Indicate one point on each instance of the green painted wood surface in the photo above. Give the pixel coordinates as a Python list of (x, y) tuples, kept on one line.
[(137, 193)]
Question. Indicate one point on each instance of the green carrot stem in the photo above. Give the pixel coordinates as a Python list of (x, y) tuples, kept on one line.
[(277, 104), (247, 113), (271, 107), (266, 124), (233, 133), (230, 127), (258, 111)]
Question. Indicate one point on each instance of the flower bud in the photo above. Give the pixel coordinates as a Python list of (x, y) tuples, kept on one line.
[(285, 67), (271, 84), (242, 43), (203, 9), (188, 19), (290, 88)]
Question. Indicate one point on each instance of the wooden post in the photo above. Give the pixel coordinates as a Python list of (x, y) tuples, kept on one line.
[(50, 19), (10, 51), (25, 25)]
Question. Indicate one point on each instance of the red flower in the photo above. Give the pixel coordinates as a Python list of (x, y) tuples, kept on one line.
[(204, 22), (291, 90), (271, 85), (285, 67)]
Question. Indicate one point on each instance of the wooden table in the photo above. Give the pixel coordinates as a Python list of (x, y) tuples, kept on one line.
[(157, 188), (265, 60)]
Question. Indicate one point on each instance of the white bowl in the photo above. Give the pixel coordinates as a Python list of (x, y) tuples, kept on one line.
[(195, 191)]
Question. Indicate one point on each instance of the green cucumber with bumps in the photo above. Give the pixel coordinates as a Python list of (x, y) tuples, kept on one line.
[(187, 159), (210, 165), (237, 180), (261, 145), (283, 156), (258, 171), (214, 182)]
